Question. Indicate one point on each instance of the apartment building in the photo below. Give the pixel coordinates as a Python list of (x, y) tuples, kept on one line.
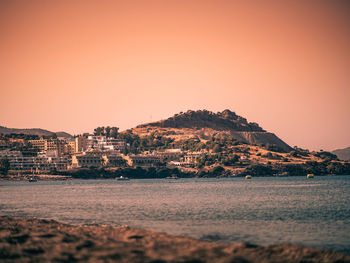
[(80, 143), (69, 147), (103, 143), (168, 154), (87, 160), (113, 160), (34, 163), (48, 145), (144, 160), (192, 157), (51, 163)]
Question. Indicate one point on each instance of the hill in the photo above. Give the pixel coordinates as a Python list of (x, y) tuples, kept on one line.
[(343, 154), (204, 124), (226, 120), (34, 131), (63, 134)]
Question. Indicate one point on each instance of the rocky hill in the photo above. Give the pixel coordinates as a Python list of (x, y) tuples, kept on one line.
[(34, 131), (343, 154), (226, 120), (205, 124)]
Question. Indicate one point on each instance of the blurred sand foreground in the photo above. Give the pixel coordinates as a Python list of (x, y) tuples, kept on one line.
[(36, 240)]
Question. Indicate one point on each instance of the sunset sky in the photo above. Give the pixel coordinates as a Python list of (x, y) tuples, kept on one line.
[(76, 65)]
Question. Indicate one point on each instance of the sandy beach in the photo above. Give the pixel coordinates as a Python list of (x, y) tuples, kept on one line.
[(38, 240)]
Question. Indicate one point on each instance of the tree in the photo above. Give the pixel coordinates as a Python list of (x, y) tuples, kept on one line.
[(230, 160), (114, 132), (99, 131), (107, 131), (326, 155), (4, 166), (218, 170), (259, 170)]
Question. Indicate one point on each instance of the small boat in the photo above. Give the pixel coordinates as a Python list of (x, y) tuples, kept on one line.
[(122, 178), (309, 176), (248, 177), (32, 180), (172, 177), (283, 174)]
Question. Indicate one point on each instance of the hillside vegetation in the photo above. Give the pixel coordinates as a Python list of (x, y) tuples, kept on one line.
[(204, 125), (225, 120), (229, 145)]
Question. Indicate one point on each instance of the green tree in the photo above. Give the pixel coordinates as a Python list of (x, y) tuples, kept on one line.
[(230, 160), (114, 132), (4, 166), (99, 131), (217, 171), (107, 131)]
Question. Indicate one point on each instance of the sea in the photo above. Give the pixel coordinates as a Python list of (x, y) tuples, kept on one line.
[(263, 211)]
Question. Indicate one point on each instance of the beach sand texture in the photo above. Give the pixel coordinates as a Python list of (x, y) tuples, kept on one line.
[(37, 240)]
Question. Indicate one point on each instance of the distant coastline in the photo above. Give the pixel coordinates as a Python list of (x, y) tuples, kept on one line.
[(161, 173), (189, 144)]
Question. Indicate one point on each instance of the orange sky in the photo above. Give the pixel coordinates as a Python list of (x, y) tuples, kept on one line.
[(75, 65)]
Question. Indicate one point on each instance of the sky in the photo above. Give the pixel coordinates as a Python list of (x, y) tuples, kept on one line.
[(75, 65)]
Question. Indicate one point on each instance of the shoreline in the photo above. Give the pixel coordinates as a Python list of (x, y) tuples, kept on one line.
[(40, 240), (57, 177)]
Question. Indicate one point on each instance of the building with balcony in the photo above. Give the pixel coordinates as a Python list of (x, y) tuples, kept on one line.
[(69, 147), (48, 145), (113, 160), (168, 154), (192, 157), (80, 143), (144, 160), (41, 163), (87, 160), (103, 143)]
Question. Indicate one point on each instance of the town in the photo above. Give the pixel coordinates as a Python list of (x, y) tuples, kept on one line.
[(50, 154), (153, 152), (86, 151)]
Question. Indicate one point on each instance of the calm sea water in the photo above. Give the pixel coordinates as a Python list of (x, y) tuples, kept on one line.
[(312, 212)]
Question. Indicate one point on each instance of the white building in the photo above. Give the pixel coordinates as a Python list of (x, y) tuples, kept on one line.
[(192, 157), (102, 143)]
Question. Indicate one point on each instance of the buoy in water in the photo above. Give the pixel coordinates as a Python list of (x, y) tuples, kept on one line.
[(310, 176), (248, 177)]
